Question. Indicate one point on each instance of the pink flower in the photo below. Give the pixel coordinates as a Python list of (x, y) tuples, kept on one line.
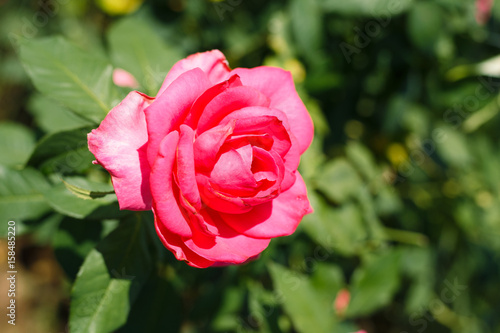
[(215, 157), (122, 78), (342, 301), (483, 11)]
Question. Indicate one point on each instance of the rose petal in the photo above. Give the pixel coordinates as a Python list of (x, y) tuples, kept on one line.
[(175, 244), (201, 102), (268, 189), (119, 145), (268, 170), (262, 125), (276, 218), (264, 141), (213, 63), (185, 167), (165, 205), (246, 153), (207, 146), (277, 84), (232, 176), (232, 99), (171, 107), (230, 247), (122, 78), (220, 201), (190, 199), (292, 157)]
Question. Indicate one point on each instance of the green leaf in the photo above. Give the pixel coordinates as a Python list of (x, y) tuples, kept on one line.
[(301, 301), (339, 180), (110, 279), (21, 194), (79, 80), (425, 24), (307, 26), (226, 318), (452, 146), (377, 8), (336, 228), (52, 117), (135, 47), (374, 284), (63, 152), (65, 202), (73, 241), (86, 189), (362, 159), (327, 279), (387, 201), (158, 308), (16, 144)]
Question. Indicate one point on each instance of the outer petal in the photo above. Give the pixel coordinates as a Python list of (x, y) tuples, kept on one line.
[(213, 63), (230, 247), (171, 107), (119, 145), (277, 84), (279, 217), (175, 244), (165, 205)]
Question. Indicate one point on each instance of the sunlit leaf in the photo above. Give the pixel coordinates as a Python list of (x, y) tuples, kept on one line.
[(63, 72), (17, 142), (21, 194), (63, 152), (301, 301), (86, 189), (377, 8), (66, 202), (339, 180), (53, 117), (374, 284)]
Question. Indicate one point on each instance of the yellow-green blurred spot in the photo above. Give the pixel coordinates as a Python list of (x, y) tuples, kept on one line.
[(451, 188), (119, 7), (354, 129), (459, 72), (481, 117), (396, 153), (297, 69), (422, 198), (484, 199)]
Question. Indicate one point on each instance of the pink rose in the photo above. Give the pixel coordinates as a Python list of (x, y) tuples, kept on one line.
[(342, 301), (214, 155), (483, 11), (122, 78)]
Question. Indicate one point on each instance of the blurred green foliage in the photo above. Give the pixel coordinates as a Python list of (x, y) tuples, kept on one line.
[(403, 173)]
